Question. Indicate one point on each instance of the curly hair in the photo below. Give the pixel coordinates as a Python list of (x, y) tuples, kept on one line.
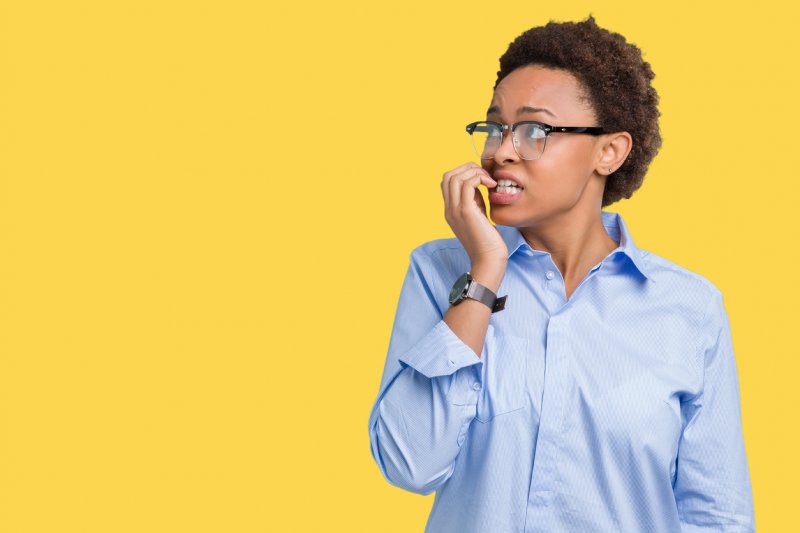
[(616, 81)]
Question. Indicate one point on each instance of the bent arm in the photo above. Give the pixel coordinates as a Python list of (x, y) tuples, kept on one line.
[(431, 380)]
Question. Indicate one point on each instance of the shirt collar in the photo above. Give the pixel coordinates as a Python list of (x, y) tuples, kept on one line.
[(615, 227)]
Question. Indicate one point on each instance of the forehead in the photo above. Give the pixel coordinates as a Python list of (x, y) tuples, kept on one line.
[(559, 91)]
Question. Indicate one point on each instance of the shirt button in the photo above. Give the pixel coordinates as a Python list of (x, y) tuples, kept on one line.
[(452, 363), (550, 274), (476, 386)]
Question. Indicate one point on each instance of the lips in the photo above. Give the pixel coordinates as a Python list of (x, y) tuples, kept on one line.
[(503, 175)]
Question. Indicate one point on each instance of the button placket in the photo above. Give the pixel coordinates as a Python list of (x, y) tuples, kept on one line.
[(557, 384)]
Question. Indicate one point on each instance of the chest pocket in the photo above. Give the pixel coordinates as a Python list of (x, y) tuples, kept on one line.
[(505, 359)]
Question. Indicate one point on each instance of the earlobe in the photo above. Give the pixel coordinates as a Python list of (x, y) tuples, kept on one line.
[(615, 152)]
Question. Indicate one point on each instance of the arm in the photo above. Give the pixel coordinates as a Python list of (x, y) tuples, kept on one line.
[(426, 400), (712, 486)]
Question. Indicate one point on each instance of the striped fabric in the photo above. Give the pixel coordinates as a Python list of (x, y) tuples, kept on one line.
[(617, 410)]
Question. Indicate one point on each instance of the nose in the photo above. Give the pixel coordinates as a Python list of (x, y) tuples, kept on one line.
[(506, 151)]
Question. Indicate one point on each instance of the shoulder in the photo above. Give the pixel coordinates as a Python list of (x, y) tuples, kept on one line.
[(440, 250), (442, 259), (674, 274), (691, 288)]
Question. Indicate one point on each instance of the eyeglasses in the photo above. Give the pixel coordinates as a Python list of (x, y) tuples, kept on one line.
[(529, 136)]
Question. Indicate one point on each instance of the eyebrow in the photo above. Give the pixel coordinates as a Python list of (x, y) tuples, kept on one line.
[(522, 110)]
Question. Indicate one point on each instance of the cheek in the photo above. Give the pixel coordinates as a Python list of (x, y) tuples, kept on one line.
[(573, 151), (562, 172), (560, 181)]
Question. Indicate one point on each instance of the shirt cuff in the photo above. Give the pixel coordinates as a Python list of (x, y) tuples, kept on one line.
[(439, 353)]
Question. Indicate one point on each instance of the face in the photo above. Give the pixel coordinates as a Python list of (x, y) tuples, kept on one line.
[(564, 176)]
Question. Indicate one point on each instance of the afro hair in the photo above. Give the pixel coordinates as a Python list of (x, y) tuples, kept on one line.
[(617, 84)]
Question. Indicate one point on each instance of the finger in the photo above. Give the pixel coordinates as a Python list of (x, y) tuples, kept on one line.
[(478, 173), (466, 182), (480, 202), (487, 179), (447, 176), (455, 191), (461, 168), (489, 182), (469, 187)]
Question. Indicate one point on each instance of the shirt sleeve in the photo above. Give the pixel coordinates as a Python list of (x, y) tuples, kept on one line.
[(429, 389), (712, 484)]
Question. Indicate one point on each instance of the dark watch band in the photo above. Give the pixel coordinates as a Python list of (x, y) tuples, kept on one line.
[(467, 287), (481, 293)]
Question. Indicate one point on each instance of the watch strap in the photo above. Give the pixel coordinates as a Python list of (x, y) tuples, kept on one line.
[(478, 292), (483, 294)]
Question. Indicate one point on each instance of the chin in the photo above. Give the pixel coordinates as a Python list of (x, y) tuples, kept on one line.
[(503, 214)]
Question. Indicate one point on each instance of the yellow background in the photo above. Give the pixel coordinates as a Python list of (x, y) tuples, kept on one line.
[(206, 212)]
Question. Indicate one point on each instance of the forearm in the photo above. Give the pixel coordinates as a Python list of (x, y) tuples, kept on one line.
[(469, 320), (419, 430), (424, 409)]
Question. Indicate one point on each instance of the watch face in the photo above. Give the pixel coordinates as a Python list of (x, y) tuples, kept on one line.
[(458, 288)]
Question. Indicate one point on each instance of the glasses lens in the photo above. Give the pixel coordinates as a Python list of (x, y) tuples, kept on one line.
[(485, 139), (531, 139)]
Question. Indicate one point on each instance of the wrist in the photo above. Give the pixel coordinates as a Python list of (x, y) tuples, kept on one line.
[(489, 275)]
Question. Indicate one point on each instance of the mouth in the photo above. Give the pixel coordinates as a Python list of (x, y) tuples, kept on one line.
[(506, 185), (506, 182), (505, 195), (507, 189)]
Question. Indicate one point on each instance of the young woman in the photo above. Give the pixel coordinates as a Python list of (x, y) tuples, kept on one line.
[(546, 374)]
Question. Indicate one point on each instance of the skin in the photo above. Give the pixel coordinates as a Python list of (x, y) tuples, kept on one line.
[(560, 208)]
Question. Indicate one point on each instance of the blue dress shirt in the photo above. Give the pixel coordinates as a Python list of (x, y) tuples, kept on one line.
[(615, 410)]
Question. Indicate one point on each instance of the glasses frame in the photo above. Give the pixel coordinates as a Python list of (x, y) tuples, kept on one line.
[(548, 129)]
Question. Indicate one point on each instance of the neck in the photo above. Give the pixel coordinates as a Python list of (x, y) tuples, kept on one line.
[(576, 240)]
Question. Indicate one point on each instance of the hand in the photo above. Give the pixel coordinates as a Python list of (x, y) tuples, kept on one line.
[(465, 212)]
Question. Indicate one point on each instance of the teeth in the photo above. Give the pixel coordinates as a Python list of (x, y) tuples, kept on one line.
[(505, 186)]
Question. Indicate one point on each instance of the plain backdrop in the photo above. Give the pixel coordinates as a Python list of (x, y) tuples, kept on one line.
[(207, 209)]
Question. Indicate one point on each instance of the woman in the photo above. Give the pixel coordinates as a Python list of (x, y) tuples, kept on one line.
[(572, 381)]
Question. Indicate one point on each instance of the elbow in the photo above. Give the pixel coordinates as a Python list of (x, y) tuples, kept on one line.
[(401, 467), (403, 473), (427, 484)]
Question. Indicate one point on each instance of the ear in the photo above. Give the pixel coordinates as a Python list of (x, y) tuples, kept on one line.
[(613, 149)]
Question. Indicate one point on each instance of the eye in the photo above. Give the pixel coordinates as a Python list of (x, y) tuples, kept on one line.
[(534, 131)]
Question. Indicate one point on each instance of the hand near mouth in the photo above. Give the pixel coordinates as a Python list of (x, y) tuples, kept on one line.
[(465, 212)]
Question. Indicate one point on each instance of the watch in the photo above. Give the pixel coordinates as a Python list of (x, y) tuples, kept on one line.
[(466, 287)]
